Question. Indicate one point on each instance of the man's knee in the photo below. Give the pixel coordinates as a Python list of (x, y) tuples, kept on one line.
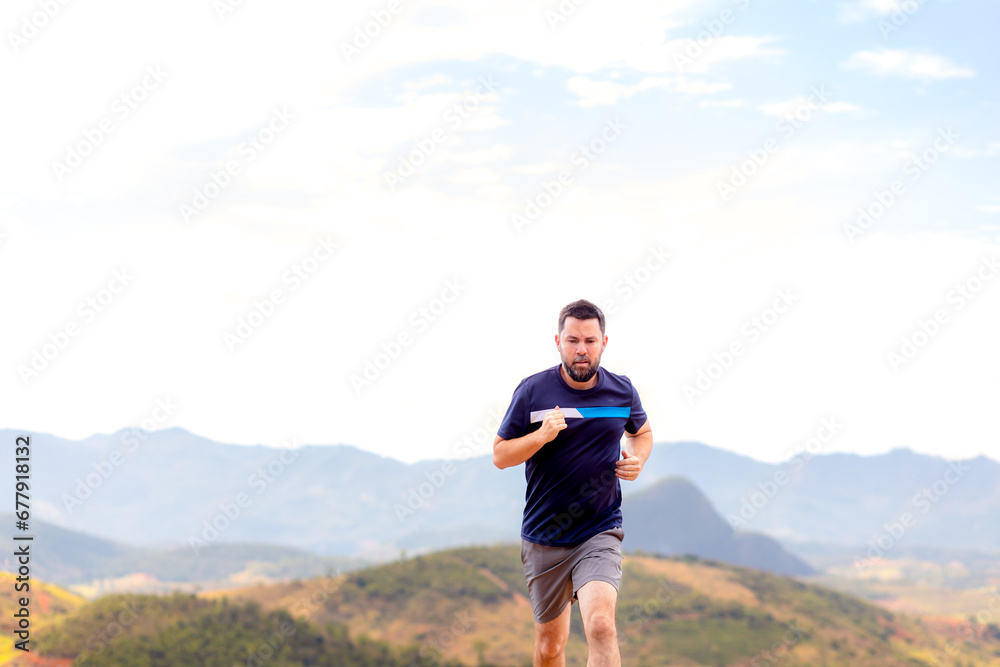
[(601, 626), (550, 647), (551, 637)]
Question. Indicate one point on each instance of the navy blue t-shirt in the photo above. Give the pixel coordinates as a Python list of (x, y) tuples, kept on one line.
[(572, 492)]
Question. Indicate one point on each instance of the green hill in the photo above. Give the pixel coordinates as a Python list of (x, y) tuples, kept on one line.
[(164, 631), (471, 605)]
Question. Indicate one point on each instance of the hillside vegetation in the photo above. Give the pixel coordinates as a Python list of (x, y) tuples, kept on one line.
[(181, 629), (471, 605)]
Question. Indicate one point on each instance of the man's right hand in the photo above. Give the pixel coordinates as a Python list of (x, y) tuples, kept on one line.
[(551, 425)]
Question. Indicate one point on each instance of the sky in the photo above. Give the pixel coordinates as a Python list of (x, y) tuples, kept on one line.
[(315, 223)]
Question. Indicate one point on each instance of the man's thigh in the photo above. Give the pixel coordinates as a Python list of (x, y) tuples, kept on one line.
[(597, 597), (554, 632)]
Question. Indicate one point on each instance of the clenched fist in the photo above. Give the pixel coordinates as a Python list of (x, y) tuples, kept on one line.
[(551, 425)]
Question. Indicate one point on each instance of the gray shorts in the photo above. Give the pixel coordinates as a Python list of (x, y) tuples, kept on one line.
[(555, 574)]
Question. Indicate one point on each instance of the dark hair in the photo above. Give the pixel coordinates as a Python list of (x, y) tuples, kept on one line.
[(581, 310)]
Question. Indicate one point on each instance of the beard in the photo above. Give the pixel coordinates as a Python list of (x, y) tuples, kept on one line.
[(582, 374)]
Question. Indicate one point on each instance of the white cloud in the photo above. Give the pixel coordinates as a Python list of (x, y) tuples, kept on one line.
[(475, 175), (789, 107), (437, 79), (606, 92), (538, 168), (861, 10), (682, 85), (487, 119), (841, 107), (498, 152), (690, 56), (738, 102), (597, 92), (906, 63), (989, 208), (992, 149), (631, 36)]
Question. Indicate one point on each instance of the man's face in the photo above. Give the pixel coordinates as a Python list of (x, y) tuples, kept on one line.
[(580, 347)]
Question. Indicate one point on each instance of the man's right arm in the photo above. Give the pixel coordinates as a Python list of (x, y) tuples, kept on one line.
[(507, 453)]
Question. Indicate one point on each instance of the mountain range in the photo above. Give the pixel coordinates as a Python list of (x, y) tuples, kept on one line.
[(172, 487), (670, 518)]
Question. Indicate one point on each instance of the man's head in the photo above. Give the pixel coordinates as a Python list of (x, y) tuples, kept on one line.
[(581, 339)]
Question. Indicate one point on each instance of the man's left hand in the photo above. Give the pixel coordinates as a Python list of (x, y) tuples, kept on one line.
[(629, 467)]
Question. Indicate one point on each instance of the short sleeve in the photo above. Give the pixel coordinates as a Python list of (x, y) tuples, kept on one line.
[(517, 421), (637, 416)]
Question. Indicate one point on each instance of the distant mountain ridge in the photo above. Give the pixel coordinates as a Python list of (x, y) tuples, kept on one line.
[(94, 565), (847, 499), (172, 487), (73, 558)]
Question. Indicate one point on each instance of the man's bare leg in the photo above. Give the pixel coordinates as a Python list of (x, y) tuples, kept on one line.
[(550, 640), (597, 606)]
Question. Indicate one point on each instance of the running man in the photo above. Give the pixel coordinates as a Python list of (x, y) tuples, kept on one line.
[(565, 424)]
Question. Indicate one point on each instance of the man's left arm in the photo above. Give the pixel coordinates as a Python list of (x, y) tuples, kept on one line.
[(641, 444)]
